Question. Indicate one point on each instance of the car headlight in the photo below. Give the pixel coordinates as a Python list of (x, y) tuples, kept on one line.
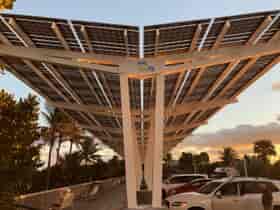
[(178, 204)]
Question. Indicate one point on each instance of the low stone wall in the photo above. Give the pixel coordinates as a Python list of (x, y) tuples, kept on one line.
[(45, 199)]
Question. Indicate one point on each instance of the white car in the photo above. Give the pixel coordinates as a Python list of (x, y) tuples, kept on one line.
[(228, 194), (179, 180)]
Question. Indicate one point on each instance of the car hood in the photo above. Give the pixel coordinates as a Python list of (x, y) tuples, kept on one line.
[(188, 196), (168, 187)]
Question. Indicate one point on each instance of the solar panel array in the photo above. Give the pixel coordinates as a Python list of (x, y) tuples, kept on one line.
[(92, 97), (175, 38), (100, 38)]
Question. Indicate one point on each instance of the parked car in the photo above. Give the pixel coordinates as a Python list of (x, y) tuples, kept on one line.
[(192, 186), (228, 193), (222, 172), (179, 180)]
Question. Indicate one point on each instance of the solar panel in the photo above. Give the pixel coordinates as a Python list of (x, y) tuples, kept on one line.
[(183, 37), (76, 66), (100, 38)]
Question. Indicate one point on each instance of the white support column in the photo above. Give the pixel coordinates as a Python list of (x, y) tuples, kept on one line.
[(138, 164), (148, 165), (137, 157), (158, 142), (129, 146)]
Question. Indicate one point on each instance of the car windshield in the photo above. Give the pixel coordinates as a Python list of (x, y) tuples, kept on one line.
[(199, 183), (208, 188), (182, 179)]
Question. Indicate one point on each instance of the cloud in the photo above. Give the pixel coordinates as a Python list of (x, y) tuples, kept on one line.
[(276, 86), (240, 138), (105, 152), (44, 153)]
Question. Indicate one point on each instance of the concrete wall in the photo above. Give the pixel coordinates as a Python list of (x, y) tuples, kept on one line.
[(45, 199)]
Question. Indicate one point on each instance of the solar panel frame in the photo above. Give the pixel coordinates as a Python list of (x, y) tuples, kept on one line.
[(240, 24), (103, 88)]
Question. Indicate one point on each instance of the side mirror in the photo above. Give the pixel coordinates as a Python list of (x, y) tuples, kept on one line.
[(219, 194)]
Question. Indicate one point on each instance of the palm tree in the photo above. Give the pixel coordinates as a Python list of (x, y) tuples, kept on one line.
[(264, 149), (200, 161), (60, 141), (186, 162), (72, 167), (89, 150), (204, 158), (50, 134), (168, 159), (74, 133), (7, 4), (228, 156)]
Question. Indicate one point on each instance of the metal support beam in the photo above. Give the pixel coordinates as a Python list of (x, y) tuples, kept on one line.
[(195, 38), (256, 77), (212, 57), (220, 79), (179, 109), (238, 76), (221, 35), (201, 44), (258, 33), (158, 142), (89, 84), (168, 129), (20, 34), (188, 61), (129, 149), (125, 35), (60, 37), (157, 41), (27, 42), (53, 57), (87, 39)]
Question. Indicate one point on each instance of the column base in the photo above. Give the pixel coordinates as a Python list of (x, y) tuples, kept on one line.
[(144, 197), (147, 208)]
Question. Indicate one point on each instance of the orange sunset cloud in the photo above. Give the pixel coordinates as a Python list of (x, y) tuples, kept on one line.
[(241, 138)]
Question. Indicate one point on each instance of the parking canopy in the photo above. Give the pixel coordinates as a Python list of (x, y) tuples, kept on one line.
[(76, 66)]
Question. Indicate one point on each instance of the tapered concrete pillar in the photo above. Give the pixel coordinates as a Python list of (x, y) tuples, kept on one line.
[(138, 165), (148, 164), (158, 142), (148, 168), (129, 145)]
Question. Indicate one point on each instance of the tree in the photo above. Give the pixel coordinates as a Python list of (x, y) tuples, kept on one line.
[(115, 166), (255, 166), (264, 149), (204, 157), (228, 156), (56, 121), (275, 170), (71, 164), (74, 133), (7, 4), (19, 153), (201, 162), (89, 151), (186, 162), (168, 159)]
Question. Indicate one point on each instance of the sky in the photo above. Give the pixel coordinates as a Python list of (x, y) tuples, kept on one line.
[(258, 106)]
